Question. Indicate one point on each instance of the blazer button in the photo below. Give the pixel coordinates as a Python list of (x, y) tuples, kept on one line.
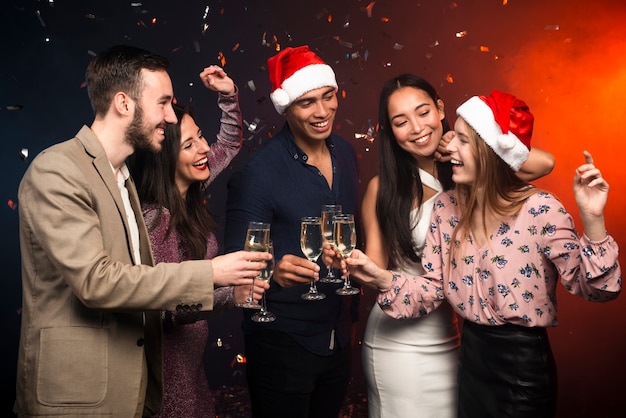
[(140, 342)]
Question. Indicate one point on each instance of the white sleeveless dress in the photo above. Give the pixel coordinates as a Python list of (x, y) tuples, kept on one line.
[(411, 364)]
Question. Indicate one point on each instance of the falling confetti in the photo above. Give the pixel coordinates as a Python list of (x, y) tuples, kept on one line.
[(38, 13), (449, 78), (12, 204), (461, 34), (251, 85), (398, 46), (346, 22), (14, 107), (551, 27), (24, 154), (369, 8)]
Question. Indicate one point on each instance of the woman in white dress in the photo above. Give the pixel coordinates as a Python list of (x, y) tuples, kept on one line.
[(411, 364)]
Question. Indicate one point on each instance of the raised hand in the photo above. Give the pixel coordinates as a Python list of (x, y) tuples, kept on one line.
[(215, 78), (591, 192), (442, 154)]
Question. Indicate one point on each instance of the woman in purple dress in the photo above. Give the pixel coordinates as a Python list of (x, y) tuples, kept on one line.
[(171, 185)]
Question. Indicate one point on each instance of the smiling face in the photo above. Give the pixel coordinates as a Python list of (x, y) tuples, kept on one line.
[(463, 154), (153, 111), (311, 116), (416, 121), (192, 158)]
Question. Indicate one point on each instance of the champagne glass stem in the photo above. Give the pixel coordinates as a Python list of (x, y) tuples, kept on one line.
[(313, 288), (251, 293), (263, 304)]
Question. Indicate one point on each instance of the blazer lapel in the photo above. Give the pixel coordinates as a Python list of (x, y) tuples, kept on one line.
[(101, 164)]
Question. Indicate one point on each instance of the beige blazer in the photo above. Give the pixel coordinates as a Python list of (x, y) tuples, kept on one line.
[(90, 319)]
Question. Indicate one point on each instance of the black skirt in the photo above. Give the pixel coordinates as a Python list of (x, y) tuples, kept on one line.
[(506, 371)]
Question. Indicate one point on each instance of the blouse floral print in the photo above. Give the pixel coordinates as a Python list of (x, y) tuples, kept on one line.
[(512, 278)]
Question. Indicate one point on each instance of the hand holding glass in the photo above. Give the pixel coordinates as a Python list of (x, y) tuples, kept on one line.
[(328, 212), (311, 240), (257, 239), (264, 315), (345, 242)]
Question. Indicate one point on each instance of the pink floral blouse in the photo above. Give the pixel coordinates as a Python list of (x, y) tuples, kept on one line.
[(513, 277)]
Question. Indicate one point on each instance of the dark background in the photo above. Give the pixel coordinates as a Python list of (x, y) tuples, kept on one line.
[(565, 58)]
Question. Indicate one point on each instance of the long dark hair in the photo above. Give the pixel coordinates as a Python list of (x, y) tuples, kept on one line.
[(154, 174), (400, 183)]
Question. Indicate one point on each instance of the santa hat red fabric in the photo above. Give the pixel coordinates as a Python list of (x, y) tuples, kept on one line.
[(504, 122), (294, 72)]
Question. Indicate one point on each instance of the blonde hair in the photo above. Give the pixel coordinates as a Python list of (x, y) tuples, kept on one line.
[(503, 192)]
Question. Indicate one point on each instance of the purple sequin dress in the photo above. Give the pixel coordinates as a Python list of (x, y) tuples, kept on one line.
[(186, 388)]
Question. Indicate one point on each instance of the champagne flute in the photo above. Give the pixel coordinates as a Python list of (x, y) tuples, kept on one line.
[(328, 211), (264, 315), (311, 244), (345, 241), (257, 239)]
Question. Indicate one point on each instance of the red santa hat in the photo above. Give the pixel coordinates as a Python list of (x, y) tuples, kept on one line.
[(504, 122), (294, 72)]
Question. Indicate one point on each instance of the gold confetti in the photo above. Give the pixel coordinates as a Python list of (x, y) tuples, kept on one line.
[(484, 48), (449, 78), (461, 34)]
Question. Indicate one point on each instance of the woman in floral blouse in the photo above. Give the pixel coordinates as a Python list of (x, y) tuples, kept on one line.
[(495, 250)]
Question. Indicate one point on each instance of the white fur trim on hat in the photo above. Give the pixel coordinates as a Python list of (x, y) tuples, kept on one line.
[(302, 81), (507, 145)]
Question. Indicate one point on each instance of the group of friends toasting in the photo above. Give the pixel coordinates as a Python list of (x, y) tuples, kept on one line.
[(122, 266)]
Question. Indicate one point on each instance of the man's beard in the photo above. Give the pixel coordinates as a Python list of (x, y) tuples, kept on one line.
[(136, 133)]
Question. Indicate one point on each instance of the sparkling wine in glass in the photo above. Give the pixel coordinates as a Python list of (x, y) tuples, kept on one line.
[(264, 315), (257, 239), (345, 242), (311, 240), (328, 229)]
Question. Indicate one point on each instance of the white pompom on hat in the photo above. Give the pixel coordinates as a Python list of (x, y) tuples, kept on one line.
[(294, 72), (504, 122)]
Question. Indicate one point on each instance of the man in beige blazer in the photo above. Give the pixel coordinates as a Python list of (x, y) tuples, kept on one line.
[(90, 339)]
